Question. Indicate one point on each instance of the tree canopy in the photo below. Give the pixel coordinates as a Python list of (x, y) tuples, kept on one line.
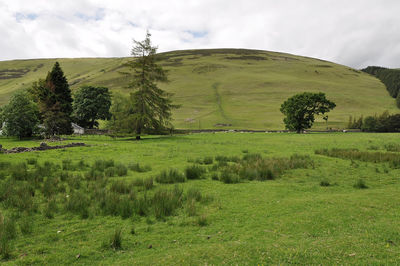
[(300, 110), (54, 99), (90, 104), (20, 116), (151, 106)]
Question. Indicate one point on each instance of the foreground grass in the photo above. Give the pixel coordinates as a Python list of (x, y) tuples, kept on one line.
[(292, 219)]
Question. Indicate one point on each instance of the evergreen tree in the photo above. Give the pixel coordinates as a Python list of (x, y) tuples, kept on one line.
[(151, 105), (53, 96)]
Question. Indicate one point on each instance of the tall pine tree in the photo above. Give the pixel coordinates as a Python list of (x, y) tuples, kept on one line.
[(151, 105), (55, 102)]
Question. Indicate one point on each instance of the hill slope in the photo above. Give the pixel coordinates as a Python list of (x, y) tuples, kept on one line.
[(224, 88)]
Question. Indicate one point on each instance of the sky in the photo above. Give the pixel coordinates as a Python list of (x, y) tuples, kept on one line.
[(356, 33)]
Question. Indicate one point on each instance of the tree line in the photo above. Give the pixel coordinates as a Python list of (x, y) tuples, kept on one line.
[(48, 106), (389, 77)]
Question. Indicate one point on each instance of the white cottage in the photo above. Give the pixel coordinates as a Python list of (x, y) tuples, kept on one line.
[(78, 129)]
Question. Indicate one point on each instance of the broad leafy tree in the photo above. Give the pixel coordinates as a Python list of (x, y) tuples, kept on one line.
[(300, 110), (151, 105), (54, 99), (20, 116), (90, 104)]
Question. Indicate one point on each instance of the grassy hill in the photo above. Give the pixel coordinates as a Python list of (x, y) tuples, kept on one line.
[(224, 88)]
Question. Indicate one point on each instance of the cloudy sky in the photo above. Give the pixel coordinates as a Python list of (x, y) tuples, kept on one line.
[(356, 33)]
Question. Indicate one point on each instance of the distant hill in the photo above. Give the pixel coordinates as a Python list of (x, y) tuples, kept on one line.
[(224, 88)]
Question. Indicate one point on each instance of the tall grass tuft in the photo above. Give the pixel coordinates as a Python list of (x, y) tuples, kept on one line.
[(194, 172), (136, 167), (166, 201), (170, 176)]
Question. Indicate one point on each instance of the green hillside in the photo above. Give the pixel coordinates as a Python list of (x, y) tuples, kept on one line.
[(224, 88)]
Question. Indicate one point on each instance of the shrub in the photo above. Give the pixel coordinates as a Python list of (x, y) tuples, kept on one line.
[(170, 176), (194, 172), (360, 184)]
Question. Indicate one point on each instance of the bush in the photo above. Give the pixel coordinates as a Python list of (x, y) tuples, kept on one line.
[(194, 172), (170, 176)]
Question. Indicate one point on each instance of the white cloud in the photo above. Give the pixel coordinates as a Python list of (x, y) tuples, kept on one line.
[(356, 33)]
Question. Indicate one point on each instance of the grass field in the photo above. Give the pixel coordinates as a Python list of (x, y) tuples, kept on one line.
[(224, 88), (305, 208)]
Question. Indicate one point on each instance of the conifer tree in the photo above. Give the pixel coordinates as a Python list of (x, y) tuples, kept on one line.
[(53, 96), (151, 105)]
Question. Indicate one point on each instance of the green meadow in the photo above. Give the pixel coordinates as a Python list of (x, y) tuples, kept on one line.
[(222, 198), (223, 88)]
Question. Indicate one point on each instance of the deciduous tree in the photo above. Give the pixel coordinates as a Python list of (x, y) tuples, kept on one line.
[(90, 104), (300, 110)]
